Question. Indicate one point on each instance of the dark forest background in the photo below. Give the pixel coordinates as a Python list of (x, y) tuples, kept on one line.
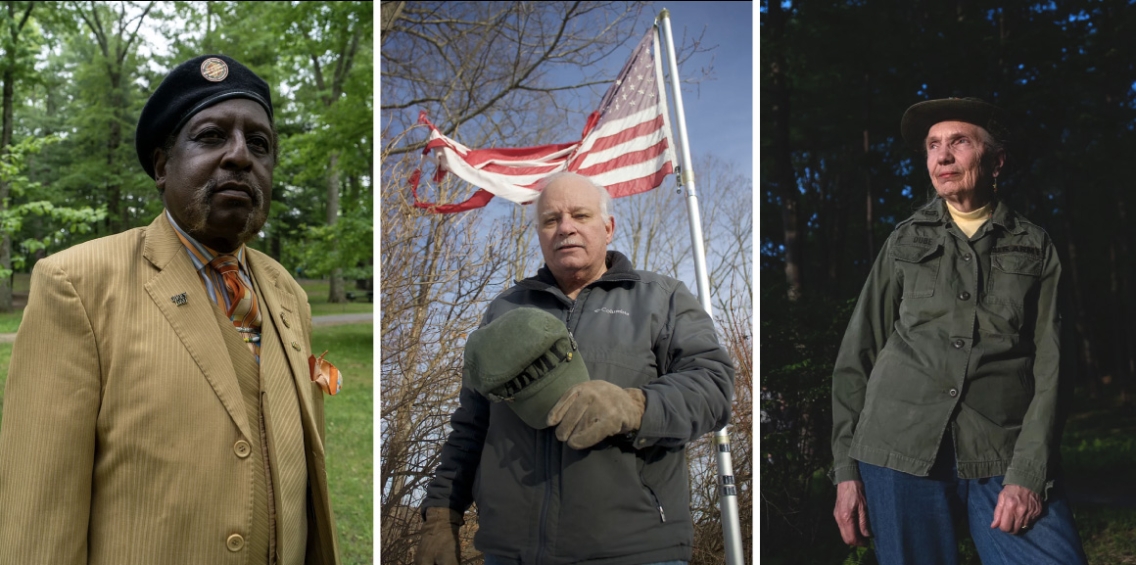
[(836, 77)]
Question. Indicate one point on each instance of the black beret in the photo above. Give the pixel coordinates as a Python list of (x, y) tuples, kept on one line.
[(919, 118), (190, 88)]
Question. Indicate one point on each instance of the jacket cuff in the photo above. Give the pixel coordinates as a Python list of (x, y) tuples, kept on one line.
[(844, 473), (1032, 481)]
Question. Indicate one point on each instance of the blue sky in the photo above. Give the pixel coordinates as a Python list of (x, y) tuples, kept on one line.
[(719, 112)]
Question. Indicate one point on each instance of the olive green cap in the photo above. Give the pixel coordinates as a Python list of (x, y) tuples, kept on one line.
[(919, 118), (525, 358)]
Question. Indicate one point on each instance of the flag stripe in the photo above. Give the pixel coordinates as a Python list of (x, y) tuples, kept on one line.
[(629, 168), (516, 169), (614, 126), (641, 184), (592, 158), (540, 152), (627, 158), (654, 126)]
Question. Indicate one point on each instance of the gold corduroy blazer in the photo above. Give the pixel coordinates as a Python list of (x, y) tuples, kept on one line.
[(122, 413)]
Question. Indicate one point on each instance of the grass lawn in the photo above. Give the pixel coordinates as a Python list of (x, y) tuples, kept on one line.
[(10, 322), (1099, 453), (350, 419), (317, 296)]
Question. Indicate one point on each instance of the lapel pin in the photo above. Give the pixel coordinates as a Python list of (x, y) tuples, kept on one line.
[(179, 299)]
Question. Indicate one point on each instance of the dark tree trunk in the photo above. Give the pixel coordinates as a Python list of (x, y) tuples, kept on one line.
[(783, 177)]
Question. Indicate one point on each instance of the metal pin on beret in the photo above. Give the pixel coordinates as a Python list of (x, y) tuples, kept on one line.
[(525, 358), (190, 88), (919, 118)]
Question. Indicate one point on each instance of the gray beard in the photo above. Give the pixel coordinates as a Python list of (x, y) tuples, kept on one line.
[(197, 212)]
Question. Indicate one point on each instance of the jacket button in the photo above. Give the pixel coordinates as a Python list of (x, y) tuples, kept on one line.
[(295, 346), (966, 257), (284, 318), (964, 295), (953, 392), (242, 448), (235, 543), (958, 343)]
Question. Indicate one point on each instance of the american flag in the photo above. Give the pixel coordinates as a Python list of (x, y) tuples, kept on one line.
[(625, 147)]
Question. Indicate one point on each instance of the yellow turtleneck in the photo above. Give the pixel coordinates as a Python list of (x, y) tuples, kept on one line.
[(969, 222)]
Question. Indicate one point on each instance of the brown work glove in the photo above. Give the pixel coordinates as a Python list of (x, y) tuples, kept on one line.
[(593, 410), (439, 544)]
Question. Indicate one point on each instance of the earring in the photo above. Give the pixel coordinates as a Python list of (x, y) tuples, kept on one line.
[(995, 184)]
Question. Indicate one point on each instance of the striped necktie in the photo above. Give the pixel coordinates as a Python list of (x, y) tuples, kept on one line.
[(242, 309)]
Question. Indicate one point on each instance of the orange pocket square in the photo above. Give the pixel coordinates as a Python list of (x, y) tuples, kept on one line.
[(325, 374)]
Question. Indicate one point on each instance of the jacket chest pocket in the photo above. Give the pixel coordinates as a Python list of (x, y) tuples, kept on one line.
[(1012, 282), (918, 265)]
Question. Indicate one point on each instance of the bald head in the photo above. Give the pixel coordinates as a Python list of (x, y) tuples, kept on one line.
[(574, 228), (605, 197)]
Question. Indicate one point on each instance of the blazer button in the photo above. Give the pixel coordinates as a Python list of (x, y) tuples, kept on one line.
[(235, 543), (964, 295), (958, 343), (242, 449), (295, 346), (966, 257), (953, 392), (284, 318)]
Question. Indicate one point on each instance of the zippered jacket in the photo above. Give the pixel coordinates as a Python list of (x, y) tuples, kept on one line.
[(625, 500), (953, 335)]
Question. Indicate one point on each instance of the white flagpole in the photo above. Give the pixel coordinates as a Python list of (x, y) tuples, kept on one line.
[(728, 496)]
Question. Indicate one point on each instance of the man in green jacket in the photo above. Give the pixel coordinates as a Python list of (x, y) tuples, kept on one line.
[(945, 388)]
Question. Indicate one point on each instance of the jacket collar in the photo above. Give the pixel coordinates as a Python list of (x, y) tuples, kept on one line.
[(619, 268), (936, 212)]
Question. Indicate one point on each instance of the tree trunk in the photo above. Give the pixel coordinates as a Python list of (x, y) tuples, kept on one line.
[(5, 189), (783, 179), (336, 293), (116, 212), (1080, 324), (869, 216)]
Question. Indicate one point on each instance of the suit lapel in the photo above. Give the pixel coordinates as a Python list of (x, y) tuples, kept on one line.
[(193, 321), (282, 339)]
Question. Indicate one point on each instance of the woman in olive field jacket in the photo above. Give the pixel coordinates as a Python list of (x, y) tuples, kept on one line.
[(945, 388)]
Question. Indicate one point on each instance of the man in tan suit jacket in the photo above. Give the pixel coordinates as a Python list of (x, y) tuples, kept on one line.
[(143, 423)]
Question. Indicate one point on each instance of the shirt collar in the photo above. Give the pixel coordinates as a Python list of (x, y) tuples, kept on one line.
[(1002, 216), (200, 254)]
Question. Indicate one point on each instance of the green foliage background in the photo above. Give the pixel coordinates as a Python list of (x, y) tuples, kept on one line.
[(73, 154)]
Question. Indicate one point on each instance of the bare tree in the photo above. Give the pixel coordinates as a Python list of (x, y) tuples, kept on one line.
[(439, 273), (498, 70)]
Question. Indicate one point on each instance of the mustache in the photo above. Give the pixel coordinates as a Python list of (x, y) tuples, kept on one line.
[(567, 242), (206, 190), (199, 206)]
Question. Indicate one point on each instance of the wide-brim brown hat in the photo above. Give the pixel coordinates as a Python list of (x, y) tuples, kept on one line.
[(919, 118)]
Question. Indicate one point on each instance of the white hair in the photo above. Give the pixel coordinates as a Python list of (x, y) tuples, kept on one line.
[(605, 197)]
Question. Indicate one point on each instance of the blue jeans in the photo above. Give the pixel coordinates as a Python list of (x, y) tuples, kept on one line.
[(494, 560), (914, 520)]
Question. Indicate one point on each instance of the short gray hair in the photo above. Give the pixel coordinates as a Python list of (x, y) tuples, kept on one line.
[(605, 196)]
